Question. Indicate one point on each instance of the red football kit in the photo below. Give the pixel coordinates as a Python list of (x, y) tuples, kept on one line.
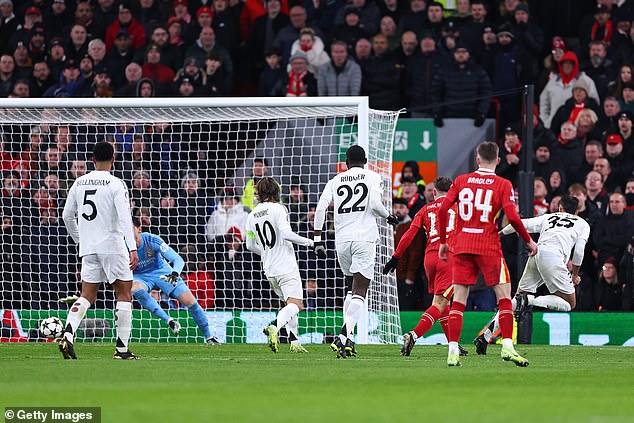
[(475, 244)]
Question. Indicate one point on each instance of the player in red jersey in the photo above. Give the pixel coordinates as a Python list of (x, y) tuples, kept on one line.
[(481, 195), (438, 272)]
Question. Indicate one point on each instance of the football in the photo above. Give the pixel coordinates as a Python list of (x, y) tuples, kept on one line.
[(51, 327)]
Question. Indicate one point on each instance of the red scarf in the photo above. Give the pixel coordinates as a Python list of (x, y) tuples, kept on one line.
[(412, 200), (516, 149), (575, 112), (607, 33), (306, 48), (296, 86), (562, 141), (540, 207)]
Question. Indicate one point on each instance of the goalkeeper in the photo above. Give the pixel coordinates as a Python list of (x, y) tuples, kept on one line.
[(154, 272)]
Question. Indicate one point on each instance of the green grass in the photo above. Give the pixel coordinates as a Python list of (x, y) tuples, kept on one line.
[(248, 383)]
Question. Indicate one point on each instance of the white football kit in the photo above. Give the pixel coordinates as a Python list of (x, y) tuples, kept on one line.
[(97, 216), (356, 194), (269, 234), (559, 233)]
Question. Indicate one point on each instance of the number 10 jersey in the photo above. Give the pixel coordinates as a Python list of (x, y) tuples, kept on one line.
[(356, 194)]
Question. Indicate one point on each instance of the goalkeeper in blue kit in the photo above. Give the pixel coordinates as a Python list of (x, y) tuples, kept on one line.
[(154, 272)]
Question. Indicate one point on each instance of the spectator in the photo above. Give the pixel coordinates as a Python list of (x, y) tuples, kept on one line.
[(624, 76), (556, 184), (226, 24), (411, 170), (421, 69), (613, 231), (586, 123), (529, 39), (185, 87), (149, 15), (145, 88), (133, 74), (175, 30), (21, 89), (84, 16), (297, 203), (408, 46), (627, 97), (510, 156), (461, 80), (252, 10), (265, 29), (621, 166), (313, 47), (119, 57), (542, 163), (7, 74), (198, 278), (601, 29), (540, 191), (8, 24), (191, 69), (435, 20), (105, 12), (300, 82), (171, 56), (125, 22), (36, 44), (341, 76), (410, 193), (57, 57), (392, 8), (70, 84), (609, 287), (382, 77), (369, 15), (272, 74), (287, 35), (32, 17), (230, 214), (595, 191), (362, 50), (258, 171), (559, 87), (472, 29), (570, 110), (77, 45), (609, 124), (629, 195), (409, 264), (568, 152), (388, 28), (600, 67), (414, 18), (97, 51), (205, 44), (141, 192), (193, 206), (625, 131), (350, 30), (203, 20), (160, 74)]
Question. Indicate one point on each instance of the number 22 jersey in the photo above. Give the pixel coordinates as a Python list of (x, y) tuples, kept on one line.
[(356, 194)]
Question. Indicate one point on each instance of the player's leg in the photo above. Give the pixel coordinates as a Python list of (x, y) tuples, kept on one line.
[(558, 301), (91, 275), (558, 280), (141, 293), (497, 271), (292, 326), (293, 293), (75, 316), (123, 319), (346, 301), (185, 297), (360, 285), (344, 257), (430, 316), (460, 296)]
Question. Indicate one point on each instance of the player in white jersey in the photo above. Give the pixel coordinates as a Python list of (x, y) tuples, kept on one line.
[(97, 216), (269, 235), (356, 194), (560, 234)]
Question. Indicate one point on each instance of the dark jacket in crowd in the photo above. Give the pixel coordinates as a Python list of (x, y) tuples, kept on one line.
[(455, 85)]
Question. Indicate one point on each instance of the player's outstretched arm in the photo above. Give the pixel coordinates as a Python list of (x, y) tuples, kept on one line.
[(69, 215), (402, 246), (124, 216), (533, 225), (376, 202)]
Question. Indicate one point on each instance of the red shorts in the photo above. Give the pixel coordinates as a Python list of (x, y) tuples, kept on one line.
[(467, 266), (438, 275)]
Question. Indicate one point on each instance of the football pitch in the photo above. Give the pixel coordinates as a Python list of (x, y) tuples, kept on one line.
[(249, 383)]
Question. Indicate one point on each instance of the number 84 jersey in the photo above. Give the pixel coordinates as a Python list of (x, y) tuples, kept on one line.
[(356, 194)]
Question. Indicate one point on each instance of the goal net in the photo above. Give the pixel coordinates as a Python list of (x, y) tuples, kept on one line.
[(190, 166)]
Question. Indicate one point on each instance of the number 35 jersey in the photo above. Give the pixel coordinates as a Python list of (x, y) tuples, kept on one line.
[(559, 233), (268, 225), (480, 196), (97, 214), (356, 194)]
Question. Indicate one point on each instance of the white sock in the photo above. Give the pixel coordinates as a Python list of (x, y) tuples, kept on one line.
[(508, 343), (514, 303), (286, 314), (551, 302), (292, 327), (453, 348), (488, 333), (75, 316), (123, 323), (351, 316), (346, 302)]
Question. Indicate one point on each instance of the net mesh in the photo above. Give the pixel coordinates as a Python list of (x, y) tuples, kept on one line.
[(184, 167)]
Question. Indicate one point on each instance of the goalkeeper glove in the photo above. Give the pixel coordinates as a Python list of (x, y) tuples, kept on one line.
[(171, 278), (319, 249), (392, 220), (390, 265)]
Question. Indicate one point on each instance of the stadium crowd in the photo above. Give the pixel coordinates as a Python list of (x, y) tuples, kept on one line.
[(418, 54)]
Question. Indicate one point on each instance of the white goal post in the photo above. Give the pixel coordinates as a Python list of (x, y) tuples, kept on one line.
[(185, 162)]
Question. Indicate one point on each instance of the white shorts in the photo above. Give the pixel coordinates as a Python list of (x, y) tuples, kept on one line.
[(549, 270), (287, 286), (96, 268), (357, 257)]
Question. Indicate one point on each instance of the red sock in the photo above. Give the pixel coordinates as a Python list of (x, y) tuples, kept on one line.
[(506, 317), (427, 321), (444, 321), (455, 321)]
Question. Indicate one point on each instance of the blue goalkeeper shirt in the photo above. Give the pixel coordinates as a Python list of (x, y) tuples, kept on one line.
[(154, 255)]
